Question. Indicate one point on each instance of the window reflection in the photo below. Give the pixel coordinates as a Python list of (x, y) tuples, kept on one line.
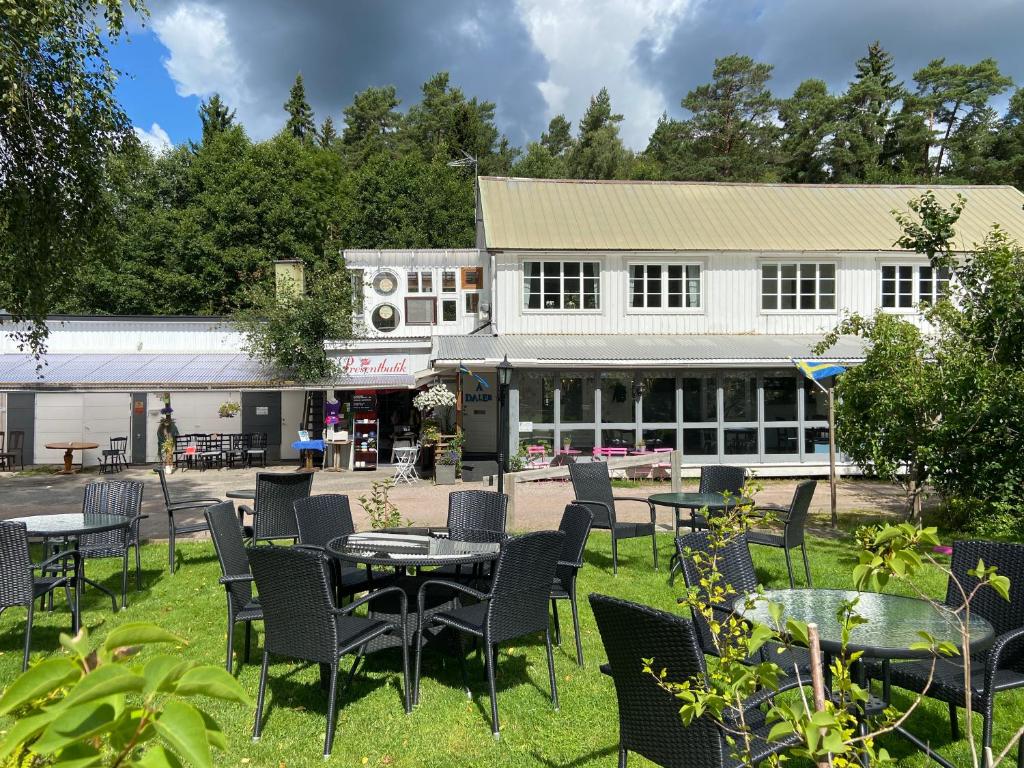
[(617, 404), (740, 441), (781, 440), (700, 442), (780, 398), (700, 398), (537, 397), (659, 399), (577, 399), (739, 398)]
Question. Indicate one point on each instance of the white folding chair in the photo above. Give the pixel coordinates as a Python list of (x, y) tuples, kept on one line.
[(405, 464)]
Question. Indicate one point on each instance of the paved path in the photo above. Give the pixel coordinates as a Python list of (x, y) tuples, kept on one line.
[(539, 505)]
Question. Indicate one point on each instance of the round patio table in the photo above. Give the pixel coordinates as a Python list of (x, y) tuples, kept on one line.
[(71, 526), (715, 502), (403, 549), (69, 455), (894, 623)]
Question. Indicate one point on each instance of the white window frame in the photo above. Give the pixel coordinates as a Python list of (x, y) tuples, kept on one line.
[(779, 263), (664, 308), (419, 273), (455, 281), (561, 280), (452, 297), (915, 285)]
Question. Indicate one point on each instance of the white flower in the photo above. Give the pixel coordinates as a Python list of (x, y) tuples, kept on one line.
[(438, 396)]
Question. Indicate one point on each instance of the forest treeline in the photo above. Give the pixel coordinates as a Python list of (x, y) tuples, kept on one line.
[(190, 228)]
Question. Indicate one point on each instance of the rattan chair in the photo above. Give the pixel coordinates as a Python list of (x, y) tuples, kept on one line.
[(115, 497), (18, 585), (592, 486), (235, 574), (478, 517), (273, 510), (998, 669), (175, 506), (793, 519), (736, 568), (516, 605), (319, 520), (301, 621), (649, 721), (719, 478), (575, 524)]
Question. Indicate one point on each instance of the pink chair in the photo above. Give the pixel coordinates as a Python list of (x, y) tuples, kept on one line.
[(536, 456)]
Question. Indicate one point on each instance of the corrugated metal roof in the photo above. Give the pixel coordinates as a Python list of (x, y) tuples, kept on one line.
[(548, 214), (680, 349)]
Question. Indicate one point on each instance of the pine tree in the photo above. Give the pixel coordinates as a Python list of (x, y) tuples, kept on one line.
[(215, 117), (328, 135), (598, 152), (300, 115), (808, 121), (371, 122), (558, 137)]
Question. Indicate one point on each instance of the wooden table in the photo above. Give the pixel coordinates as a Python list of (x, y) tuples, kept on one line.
[(69, 456)]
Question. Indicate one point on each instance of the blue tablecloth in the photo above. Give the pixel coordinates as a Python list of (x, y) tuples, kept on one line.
[(308, 445)]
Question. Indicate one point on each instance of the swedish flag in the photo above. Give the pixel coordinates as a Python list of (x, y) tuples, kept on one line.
[(817, 371)]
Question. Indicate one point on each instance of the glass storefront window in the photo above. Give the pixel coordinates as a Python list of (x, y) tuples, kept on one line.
[(739, 398), (581, 440), (740, 441), (617, 403), (816, 442), (815, 403), (577, 401), (781, 439), (700, 441), (659, 438), (659, 400), (537, 397), (700, 398), (780, 398), (545, 437), (618, 438)]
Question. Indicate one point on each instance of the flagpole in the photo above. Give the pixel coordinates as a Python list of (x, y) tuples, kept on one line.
[(458, 400), (832, 452)]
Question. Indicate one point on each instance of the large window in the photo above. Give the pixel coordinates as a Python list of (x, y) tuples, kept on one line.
[(568, 285), (802, 286), (900, 289), (421, 282), (420, 311), (617, 403), (537, 397), (664, 286)]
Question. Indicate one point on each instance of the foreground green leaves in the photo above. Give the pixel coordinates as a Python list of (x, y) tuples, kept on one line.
[(92, 707)]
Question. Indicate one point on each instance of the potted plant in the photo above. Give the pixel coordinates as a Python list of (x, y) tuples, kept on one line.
[(228, 409), (167, 453), (430, 432), (566, 443), (446, 464)]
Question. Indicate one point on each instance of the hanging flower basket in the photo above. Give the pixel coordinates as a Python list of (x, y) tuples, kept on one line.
[(229, 409)]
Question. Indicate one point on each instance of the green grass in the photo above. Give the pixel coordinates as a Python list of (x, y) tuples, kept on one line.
[(446, 728)]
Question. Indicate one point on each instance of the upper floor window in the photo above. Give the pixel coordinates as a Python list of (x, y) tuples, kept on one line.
[(358, 277), (664, 286), (421, 282), (448, 282), (571, 285), (904, 285), (801, 286), (420, 311)]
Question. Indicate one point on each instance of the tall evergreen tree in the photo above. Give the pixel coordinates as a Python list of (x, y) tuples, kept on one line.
[(371, 122), (1002, 160), (300, 115), (808, 122), (215, 116), (558, 137), (327, 135), (598, 152)]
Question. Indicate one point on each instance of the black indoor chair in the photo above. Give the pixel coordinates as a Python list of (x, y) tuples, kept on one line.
[(114, 458), (231, 450), (649, 721), (575, 524), (257, 449), (18, 585), (114, 497), (184, 452), (176, 506), (15, 452), (235, 574), (209, 452), (301, 621), (794, 520), (592, 486), (273, 510), (516, 605), (319, 520), (1001, 667), (736, 568)]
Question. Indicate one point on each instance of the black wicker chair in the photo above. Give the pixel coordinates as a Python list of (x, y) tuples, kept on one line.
[(736, 568), (649, 722), (273, 510), (301, 621), (516, 605), (719, 478), (478, 517), (235, 574), (793, 519), (592, 486), (175, 506), (1001, 667), (575, 524), (18, 585), (114, 497), (320, 519)]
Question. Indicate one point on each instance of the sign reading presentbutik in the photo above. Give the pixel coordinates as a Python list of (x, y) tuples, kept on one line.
[(374, 365)]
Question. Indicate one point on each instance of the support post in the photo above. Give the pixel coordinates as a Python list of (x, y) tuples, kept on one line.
[(817, 676), (832, 453), (677, 470)]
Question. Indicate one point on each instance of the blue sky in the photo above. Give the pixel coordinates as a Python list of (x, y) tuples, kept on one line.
[(534, 58)]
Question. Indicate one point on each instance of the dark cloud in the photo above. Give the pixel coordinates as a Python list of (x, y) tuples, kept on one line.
[(814, 38), (342, 48)]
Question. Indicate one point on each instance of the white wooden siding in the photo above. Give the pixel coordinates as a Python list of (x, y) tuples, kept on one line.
[(194, 413), (91, 417), (731, 295)]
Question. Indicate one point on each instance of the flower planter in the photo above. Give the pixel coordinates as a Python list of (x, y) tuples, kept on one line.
[(444, 474)]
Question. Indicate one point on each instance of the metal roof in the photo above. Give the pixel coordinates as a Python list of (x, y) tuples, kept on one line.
[(142, 371), (621, 349), (563, 214)]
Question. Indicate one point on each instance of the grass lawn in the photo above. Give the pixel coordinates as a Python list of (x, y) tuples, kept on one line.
[(446, 728)]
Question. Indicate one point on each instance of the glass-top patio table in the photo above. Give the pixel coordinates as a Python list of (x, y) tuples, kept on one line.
[(894, 624), (692, 500)]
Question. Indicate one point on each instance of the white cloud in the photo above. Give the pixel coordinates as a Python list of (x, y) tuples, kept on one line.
[(590, 43), (155, 138)]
